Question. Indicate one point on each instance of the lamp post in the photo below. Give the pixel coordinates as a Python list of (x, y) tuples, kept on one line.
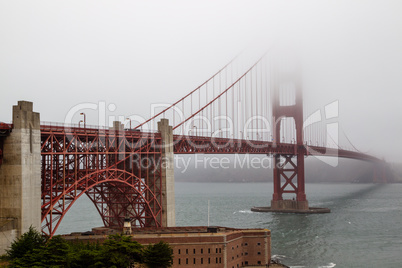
[(85, 119), (127, 226), (79, 123)]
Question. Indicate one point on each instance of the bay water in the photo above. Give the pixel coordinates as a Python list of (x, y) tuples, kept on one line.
[(364, 228)]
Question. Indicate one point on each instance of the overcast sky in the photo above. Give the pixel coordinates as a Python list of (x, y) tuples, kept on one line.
[(134, 53)]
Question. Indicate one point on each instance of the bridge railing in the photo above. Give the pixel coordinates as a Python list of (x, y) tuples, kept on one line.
[(65, 125), (53, 125)]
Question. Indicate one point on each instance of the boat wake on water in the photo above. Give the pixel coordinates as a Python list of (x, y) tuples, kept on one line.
[(244, 211), (329, 265)]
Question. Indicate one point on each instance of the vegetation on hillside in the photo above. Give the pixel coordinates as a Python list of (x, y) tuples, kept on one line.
[(118, 251)]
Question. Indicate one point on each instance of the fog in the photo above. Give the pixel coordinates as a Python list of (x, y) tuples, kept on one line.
[(136, 53)]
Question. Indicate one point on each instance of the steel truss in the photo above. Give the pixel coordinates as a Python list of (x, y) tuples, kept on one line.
[(120, 172)]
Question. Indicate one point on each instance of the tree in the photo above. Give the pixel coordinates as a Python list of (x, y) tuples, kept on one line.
[(54, 254), (26, 244), (84, 255), (159, 255), (84, 258), (119, 251)]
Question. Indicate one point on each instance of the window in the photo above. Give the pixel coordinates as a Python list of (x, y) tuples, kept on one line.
[(258, 253), (202, 261), (246, 263), (237, 246), (194, 251), (209, 250), (216, 260), (186, 250), (209, 260), (232, 248), (179, 261), (220, 260), (258, 244), (194, 261), (245, 244), (259, 262), (220, 250), (245, 253), (202, 251), (232, 257), (179, 251), (216, 250), (186, 260)]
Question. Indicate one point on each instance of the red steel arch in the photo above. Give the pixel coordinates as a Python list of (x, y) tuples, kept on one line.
[(112, 200), (106, 165)]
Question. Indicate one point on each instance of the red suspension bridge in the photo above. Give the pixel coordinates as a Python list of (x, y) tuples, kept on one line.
[(129, 173)]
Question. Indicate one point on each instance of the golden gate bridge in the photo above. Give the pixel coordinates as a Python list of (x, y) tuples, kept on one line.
[(128, 172)]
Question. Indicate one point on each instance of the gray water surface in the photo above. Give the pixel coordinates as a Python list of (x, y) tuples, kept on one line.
[(363, 229)]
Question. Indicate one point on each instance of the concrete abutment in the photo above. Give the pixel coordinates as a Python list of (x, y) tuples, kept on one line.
[(20, 177)]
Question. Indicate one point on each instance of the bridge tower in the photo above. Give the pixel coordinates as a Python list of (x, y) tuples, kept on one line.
[(168, 198), (288, 168), (20, 177)]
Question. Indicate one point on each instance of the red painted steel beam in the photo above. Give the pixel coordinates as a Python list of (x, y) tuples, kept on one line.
[(77, 161), (208, 145), (100, 162)]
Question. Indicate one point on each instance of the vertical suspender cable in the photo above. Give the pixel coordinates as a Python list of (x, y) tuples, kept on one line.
[(213, 107), (256, 98), (226, 95), (251, 103), (232, 74), (261, 101)]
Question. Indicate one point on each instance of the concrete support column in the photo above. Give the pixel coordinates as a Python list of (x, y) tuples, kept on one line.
[(167, 174), (20, 177)]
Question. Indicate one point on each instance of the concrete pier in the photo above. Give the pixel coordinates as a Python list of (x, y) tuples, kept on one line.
[(291, 206), (20, 177)]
